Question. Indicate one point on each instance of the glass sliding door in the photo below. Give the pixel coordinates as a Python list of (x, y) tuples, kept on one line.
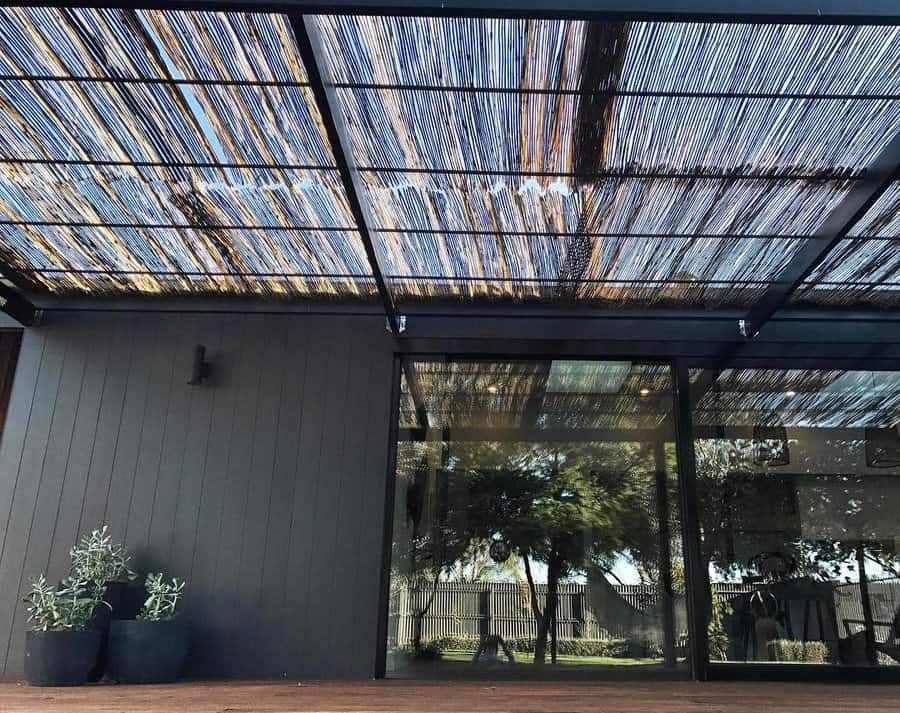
[(536, 525), (798, 476)]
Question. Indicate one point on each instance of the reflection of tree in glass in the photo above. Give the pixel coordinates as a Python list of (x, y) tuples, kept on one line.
[(569, 507), (841, 526), (433, 547)]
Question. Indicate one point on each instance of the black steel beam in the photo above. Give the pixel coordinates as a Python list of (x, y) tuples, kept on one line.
[(438, 279), (176, 226), (410, 232), (878, 176), (415, 393), (715, 175), (168, 81), (799, 356), (445, 171), (308, 43), (109, 163), (17, 306), (648, 93), (551, 234), (451, 89), (474, 434), (649, 327), (755, 11)]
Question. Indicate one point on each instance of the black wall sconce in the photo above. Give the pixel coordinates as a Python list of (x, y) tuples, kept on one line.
[(200, 369)]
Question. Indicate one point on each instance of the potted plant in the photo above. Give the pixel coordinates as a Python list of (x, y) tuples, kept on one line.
[(61, 647), (97, 559), (153, 647)]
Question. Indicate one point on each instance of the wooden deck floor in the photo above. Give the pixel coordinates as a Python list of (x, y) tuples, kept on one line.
[(468, 697)]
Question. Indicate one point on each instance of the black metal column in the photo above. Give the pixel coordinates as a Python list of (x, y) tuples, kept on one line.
[(384, 599), (697, 589)]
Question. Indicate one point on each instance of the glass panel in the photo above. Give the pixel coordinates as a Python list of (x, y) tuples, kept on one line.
[(536, 524), (799, 485)]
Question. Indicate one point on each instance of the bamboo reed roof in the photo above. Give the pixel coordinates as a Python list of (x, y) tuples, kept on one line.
[(558, 395), (643, 163), (802, 398), (565, 396)]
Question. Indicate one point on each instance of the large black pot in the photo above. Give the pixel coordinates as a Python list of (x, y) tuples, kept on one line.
[(60, 658), (124, 600), (146, 651)]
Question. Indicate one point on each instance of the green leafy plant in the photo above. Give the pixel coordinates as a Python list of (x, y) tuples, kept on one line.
[(610, 648), (68, 606), (162, 598), (96, 558), (796, 651)]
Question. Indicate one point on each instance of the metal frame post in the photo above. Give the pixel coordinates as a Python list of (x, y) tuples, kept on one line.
[(697, 589)]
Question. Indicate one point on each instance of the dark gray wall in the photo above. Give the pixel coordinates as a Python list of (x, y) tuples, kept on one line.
[(263, 489)]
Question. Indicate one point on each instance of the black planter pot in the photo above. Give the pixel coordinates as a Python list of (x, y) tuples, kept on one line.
[(60, 658), (146, 651), (125, 600)]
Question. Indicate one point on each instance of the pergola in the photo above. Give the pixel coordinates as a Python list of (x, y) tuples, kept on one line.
[(707, 184), (693, 169)]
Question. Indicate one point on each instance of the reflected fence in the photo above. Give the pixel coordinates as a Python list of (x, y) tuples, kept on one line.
[(478, 609), (811, 611)]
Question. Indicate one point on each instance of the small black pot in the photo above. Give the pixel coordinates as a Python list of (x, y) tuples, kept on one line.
[(60, 658), (146, 651)]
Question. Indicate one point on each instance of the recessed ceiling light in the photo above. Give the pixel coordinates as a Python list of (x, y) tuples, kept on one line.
[(645, 392), (493, 389), (790, 394)]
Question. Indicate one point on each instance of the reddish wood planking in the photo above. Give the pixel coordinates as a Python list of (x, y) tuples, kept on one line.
[(457, 697)]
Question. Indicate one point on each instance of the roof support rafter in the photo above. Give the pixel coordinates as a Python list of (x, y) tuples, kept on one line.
[(308, 44), (878, 176), (16, 305), (415, 393)]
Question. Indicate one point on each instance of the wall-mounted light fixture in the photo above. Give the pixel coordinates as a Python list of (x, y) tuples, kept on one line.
[(200, 369)]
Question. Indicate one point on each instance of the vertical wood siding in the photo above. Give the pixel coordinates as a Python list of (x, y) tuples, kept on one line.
[(263, 489)]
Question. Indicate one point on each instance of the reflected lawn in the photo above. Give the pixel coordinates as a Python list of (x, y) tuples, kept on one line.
[(525, 659)]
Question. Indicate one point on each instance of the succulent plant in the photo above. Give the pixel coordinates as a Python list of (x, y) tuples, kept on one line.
[(96, 558), (162, 598)]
